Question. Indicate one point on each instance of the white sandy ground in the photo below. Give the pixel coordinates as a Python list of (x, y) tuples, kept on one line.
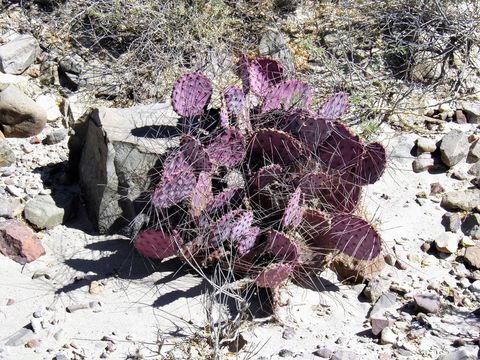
[(144, 314)]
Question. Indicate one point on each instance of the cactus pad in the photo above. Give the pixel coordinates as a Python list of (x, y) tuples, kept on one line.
[(244, 72), (372, 164), (230, 227), (282, 247), (273, 276), (227, 148), (191, 94), (294, 212), (341, 150), (247, 241), (155, 244), (232, 104), (201, 195), (273, 147), (195, 154), (354, 237), (335, 106), (263, 74), (288, 95)]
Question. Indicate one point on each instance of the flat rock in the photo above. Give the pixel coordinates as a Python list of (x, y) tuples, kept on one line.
[(474, 153), (45, 212), (109, 151), (471, 226), (427, 303), (385, 302), (461, 200), (10, 207), (425, 145), (324, 353), (19, 243), (20, 338), (355, 270), (454, 147), (471, 110), (460, 354), (19, 81), (472, 256), (18, 54), (344, 355), (375, 288), (7, 156), (388, 337), (447, 243), (20, 116)]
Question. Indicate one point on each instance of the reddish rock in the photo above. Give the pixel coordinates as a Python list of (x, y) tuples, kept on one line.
[(19, 243), (460, 117), (1, 135), (356, 271)]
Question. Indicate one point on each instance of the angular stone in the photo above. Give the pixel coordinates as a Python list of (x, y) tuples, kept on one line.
[(20, 338), (475, 169), (18, 54), (7, 156), (461, 200), (388, 337), (471, 226), (454, 147), (111, 151), (426, 67), (274, 44), (356, 271), (378, 324), (20, 116), (452, 221), (472, 256), (427, 303), (10, 207), (56, 136), (344, 355), (447, 243), (19, 243), (474, 153), (472, 111), (423, 162), (49, 104), (45, 212), (425, 145), (375, 288), (460, 117), (19, 81), (385, 302), (436, 188)]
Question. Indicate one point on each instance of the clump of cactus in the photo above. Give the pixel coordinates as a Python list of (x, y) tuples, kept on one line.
[(264, 186)]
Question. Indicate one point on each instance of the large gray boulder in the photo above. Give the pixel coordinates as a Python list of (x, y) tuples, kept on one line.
[(454, 147), (20, 116), (117, 152), (18, 54), (45, 212)]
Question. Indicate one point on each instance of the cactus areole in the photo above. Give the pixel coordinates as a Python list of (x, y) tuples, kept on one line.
[(268, 191)]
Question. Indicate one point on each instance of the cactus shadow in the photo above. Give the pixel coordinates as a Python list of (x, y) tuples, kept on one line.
[(120, 261)]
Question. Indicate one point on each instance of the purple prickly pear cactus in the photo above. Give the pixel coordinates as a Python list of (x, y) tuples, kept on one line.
[(263, 74), (178, 182), (191, 94), (294, 212), (247, 241), (372, 164), (282, 247), (230, 227), (201, 195), (273, 147), (232, 105), (244, 72), (354, 237), (227, 148), (341, 150), (155, 244), (274, 275), (195, 154), (334, 107), (288, 95)]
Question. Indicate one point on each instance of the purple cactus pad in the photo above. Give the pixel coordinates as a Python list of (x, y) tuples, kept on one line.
[(155, 244), (201, 195), (294, 212), (273, 276), (372, 164), (247, 241), (354, 237), (232, 105), (195, 154), (191, 94), (227, 148), (288, 95), (334, 107), (282, 247), (264, 73)]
